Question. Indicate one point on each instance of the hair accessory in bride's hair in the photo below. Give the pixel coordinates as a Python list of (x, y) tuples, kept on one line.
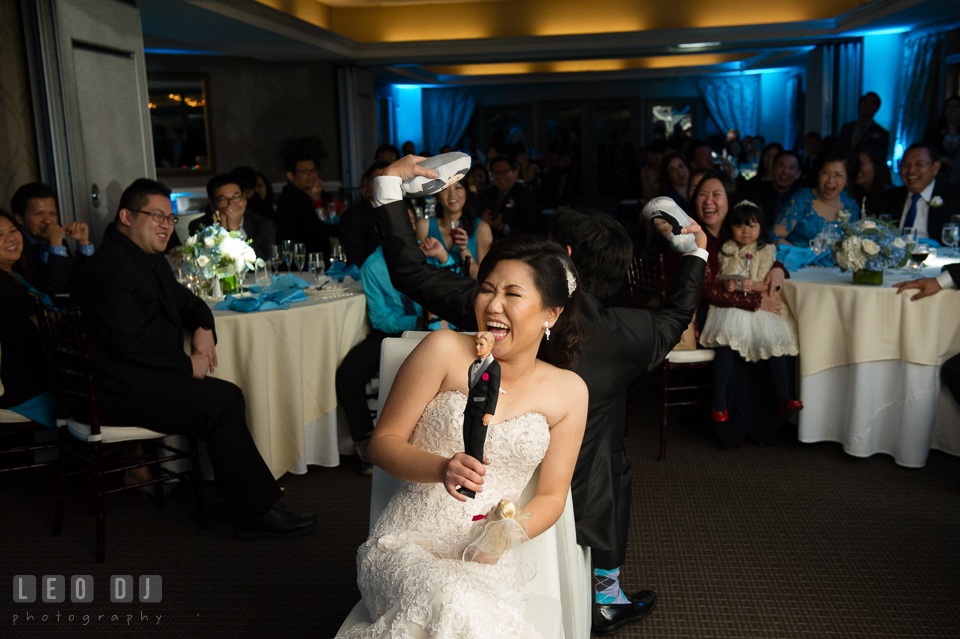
[(571, 280), (745, 203)]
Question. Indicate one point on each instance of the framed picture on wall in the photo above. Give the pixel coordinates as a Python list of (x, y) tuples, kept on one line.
[(669, 119), (180, 119)]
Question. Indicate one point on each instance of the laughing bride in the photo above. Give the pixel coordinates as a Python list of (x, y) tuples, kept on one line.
[(410, 571)]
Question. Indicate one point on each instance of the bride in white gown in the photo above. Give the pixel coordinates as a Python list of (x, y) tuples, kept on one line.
[(410, 572)]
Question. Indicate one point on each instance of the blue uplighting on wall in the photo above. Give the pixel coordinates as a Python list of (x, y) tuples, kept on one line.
[(408, 114), (882, 56)]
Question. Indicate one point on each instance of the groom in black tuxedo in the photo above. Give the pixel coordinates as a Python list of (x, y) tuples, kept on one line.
[(482, 401), (620, 344)]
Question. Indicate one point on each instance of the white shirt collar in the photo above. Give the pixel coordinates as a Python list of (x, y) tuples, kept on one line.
[(927, 193)]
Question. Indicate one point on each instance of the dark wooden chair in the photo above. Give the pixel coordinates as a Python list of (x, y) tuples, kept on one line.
[(646, 279), (85, 439)]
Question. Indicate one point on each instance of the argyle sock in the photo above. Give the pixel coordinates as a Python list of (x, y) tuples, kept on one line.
[(606, 585)]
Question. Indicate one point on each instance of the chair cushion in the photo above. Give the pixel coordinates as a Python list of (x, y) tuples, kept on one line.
[(110, 434), (691, 357), (10, 417)]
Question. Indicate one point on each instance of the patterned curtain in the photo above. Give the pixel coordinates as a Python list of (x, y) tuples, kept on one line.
[(734, 102), (446, 114), (920, 81)]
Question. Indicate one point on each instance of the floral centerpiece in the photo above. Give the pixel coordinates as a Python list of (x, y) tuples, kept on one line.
[(867, 247), (221, 256)]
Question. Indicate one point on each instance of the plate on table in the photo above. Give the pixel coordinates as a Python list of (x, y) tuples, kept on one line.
[(332, 289)]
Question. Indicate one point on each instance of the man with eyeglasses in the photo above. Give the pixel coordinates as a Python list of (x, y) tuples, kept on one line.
[(509, 207), (45, 248), (296, 218), (923, 202), (137, 313), (228, 204)]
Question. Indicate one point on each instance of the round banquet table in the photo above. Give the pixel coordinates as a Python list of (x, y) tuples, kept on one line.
[(870, 364), (286, 361)]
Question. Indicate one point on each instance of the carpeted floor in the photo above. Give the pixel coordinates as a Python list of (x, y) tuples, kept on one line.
[(785, 542)]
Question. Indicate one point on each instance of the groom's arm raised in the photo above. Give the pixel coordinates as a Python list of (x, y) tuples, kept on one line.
[(442, 292)]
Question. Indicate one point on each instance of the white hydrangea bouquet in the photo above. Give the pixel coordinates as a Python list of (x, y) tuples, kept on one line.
[(221, 256), (867, 247)]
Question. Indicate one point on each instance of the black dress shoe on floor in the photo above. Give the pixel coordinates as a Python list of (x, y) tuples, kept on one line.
[(609, 618), (276, 524)]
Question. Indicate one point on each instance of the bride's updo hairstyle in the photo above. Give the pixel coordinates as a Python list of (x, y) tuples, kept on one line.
[(559, 286)]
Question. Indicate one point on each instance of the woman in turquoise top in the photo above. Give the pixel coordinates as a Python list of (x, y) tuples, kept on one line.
[(810, 209), (474, 236)]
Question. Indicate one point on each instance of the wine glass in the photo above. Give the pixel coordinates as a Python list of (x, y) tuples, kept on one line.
[(833, 232), (316, 265), (263, 275), (299, 256), (885, 218), (288, 253), (918, 253), (337, 255), (951, 237), (276, 256), (816, 245)]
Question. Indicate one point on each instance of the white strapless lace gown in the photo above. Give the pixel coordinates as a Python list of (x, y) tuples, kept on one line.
[(410, 572)]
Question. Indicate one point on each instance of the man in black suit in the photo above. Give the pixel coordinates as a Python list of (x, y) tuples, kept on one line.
[(296, 215), (228, 200), (923, 202), (356, 229), (774, 194), (621, 344), (484, 380), (44, 249), (137, 313), (509, 207), (863, 135), (948, 279)]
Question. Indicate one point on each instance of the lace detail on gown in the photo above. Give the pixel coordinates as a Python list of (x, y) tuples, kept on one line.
[(410, 572)]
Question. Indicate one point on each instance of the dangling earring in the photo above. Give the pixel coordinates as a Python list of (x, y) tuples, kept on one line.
[(546, 327)]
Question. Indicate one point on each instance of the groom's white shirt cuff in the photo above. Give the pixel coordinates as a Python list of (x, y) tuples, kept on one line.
[(386, 189), (945, 280)]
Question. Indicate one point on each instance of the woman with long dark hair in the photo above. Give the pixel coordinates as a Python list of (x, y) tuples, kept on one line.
[(413, 561), (675, 178), (23, 368), (871, 181), (472, 236)]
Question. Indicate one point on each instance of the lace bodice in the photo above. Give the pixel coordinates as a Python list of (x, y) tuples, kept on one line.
[(410, 572)]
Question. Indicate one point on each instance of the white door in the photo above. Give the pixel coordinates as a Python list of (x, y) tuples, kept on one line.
[(97, 100)]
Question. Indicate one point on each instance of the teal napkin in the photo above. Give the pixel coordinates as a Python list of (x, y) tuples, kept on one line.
[(338, 271)]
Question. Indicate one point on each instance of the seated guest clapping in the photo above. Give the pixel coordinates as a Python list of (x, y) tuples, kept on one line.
[(23, 368), (35, 211), (136, 314), (228, 206), (948, 279), (390, 314)]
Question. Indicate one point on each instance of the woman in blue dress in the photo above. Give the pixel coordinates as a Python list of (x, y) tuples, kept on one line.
[(474, 236), (810, 209), (23, 368)]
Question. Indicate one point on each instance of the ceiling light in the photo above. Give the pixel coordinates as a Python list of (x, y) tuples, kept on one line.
[(697, 45)]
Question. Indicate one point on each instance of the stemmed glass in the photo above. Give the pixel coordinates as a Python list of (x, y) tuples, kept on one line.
[(299, 256), (263, 275), (909, 236), (276, 257), (337, 255), (287, 253), (951, 237), (316, 265), (918, 254)]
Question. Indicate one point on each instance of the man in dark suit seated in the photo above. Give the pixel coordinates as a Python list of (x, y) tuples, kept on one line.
[(35, 210), (923, 202), (620, 344), (356, 229), (863, 134), (948, 279), (229, 202), (774, 194), (137, 313), (296, 215), (509, 207)]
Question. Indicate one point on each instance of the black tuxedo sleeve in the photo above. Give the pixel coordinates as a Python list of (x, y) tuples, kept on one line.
[(194, 312), (444, 293), (112, 302), (493, 388), (954, 271)]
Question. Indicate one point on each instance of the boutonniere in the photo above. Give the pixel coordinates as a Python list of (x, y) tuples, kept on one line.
[(485, 376), (510, 204), (936, 202)]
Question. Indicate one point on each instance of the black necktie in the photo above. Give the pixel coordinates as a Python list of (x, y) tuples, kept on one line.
[(408, 307)]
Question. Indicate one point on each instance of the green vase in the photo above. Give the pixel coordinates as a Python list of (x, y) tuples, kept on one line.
[(873, 278), (230, 285)]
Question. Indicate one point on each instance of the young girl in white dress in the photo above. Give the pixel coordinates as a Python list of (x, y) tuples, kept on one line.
[(757, 335), (411, 571)]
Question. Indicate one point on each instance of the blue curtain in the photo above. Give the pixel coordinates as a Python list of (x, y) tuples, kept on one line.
[(923, 64), (446, 113), (734, 103), (792, 114)]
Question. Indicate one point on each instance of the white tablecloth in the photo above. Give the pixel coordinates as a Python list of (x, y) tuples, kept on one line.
[(285, 361), (870, 365)]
